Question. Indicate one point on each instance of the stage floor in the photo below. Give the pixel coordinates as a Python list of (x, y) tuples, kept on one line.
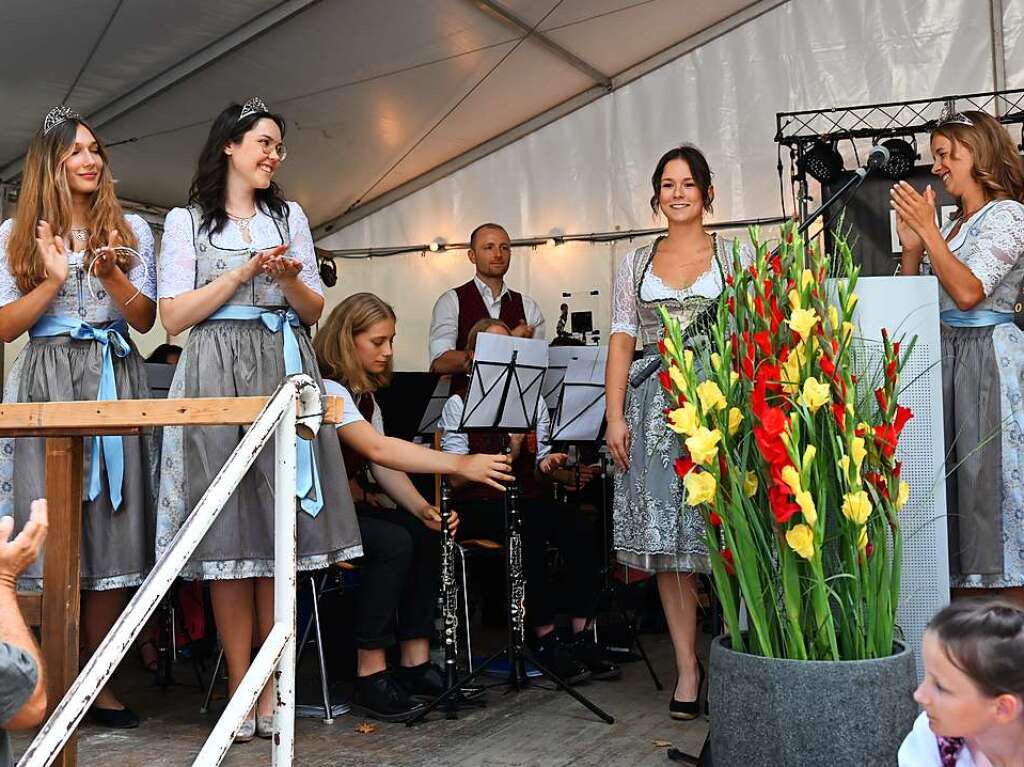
[(535, 727)]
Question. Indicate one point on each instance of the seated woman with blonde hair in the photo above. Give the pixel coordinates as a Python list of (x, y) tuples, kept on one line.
[(400, 568)]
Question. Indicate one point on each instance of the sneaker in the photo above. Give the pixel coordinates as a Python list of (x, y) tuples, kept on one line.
[(559, 660), (426, 682), (379, 696), (592, 655)]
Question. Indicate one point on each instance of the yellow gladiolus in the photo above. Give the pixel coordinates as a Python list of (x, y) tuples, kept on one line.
[(809, 452), (803, 321), (710, 396), (750, 484), (794, 299), (700, 487), (789, 375), (688, 357), (862, 539), (816, 394), (801, 539), (851, 301), (806, 278), (857, 507), (669, 346), (733, 378), (902, 496), (703, 445), (858, 451), (716, 361), (806, 504), (678, 377), (792, 478), (844, 464), (847, 331), (684, 420), (833, 316), (735, 419)]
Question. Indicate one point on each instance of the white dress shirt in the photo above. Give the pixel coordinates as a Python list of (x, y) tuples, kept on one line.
[(444, 322), (455, 441)]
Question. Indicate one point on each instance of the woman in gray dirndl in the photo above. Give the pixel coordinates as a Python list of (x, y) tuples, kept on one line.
[(653, 528), (76, 273), (977, 260), (238, 267)]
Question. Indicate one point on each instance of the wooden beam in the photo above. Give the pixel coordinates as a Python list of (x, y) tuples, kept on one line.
[(25, 419), (31, 605), (61, 563)]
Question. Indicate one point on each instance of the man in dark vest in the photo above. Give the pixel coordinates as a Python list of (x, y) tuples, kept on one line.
[(486, 295)]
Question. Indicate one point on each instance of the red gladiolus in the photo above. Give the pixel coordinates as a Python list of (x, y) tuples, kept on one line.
[(903, 415), (897, 468), (772, 449), (729, 561), (890, 371), (759, 306), (775, 262), (885, 439), (753, 272), (716, 521), (869, 549), (885, 334), (839, 412), (883, 403), (879, 482), (763, 340), (776, 313), (682, 399), (662, 349), (729, 280), (774, 421), (747, 365), (666, 380), (731, 302), (684, 465), (828, 367), (896, 349), (782, 508)]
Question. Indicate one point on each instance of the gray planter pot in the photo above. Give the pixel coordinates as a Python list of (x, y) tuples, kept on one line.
[(766, 711)]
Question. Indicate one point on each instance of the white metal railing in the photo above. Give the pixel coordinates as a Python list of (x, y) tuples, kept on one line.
[(295, 406)]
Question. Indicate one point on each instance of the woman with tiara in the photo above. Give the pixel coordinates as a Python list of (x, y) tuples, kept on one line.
[(238, 268), (76, 274)]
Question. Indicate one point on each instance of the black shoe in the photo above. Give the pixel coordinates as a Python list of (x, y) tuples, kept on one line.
[(592, 655), (117, 719), (379, 696), (558, 658), (426, 682), (688, 709)]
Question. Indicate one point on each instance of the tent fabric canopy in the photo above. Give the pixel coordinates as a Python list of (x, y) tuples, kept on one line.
[(374, 93)]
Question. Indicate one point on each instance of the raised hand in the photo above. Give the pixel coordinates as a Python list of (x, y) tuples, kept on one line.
[(105, 261), (487, 469), (16, 555), (915, 209), (52, 252), (522, 330)]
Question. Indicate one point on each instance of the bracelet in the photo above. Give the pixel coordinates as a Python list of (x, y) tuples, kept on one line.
[(134, 296)]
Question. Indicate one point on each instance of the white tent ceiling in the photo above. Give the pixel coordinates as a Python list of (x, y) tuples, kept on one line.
[(376, 94)]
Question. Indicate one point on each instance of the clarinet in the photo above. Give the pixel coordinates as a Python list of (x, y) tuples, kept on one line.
[(517, 580), (449, 589)]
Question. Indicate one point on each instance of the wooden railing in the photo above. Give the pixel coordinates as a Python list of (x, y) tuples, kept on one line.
[(64, 425)]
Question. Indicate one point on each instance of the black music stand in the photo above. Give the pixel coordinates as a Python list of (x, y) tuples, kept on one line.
[(504, 391)]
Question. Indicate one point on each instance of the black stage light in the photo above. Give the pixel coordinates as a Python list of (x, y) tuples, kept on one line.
[(822, 161), (902, 158)]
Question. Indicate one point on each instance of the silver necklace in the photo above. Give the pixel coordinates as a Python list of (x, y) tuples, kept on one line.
[(80, 235), (243, 223)]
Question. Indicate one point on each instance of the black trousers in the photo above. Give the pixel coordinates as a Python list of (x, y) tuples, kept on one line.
[(399, 578), (543, 522)]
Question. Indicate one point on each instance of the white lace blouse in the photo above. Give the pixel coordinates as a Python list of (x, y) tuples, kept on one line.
[(625, 312), (74, 299), (990, 243), (178, 254)]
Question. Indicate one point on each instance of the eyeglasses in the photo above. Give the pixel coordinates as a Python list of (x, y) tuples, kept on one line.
[(270, 149)]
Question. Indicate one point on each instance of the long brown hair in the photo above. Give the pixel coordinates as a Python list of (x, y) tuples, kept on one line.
[(45, 195), (997, 166), (335, 346)]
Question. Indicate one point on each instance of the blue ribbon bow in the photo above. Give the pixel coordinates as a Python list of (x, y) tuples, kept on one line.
[(975, 318), (282, 321), (108, 451)]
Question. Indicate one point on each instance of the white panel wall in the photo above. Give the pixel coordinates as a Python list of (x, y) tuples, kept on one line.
[(590, 171)]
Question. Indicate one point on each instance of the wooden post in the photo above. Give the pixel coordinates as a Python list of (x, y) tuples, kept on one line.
[(61, 575)]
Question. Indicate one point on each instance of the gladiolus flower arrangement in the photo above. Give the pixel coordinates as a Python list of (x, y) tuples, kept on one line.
[(790, 455)]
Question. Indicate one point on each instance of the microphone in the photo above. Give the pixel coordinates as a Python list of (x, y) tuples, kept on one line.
[(877, 157)]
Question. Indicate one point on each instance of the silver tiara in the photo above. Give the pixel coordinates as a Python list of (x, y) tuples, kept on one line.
[(253, 106), (58, 115), (950, 115)]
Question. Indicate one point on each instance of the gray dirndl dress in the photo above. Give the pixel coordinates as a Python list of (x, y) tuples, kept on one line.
[(983, 404), (239, 358), (117, 545), (654, 529)]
